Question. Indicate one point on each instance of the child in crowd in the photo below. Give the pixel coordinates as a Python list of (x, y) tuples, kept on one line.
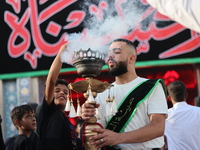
[(23, 118), (54, 128)]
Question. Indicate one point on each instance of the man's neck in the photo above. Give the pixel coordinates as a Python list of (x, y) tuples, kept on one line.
[(125, 78), (175, 102)]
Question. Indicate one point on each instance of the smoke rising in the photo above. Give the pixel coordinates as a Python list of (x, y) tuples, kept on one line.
[(104, 22)]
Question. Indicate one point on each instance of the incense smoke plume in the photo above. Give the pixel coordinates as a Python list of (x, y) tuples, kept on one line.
[(116, 19)]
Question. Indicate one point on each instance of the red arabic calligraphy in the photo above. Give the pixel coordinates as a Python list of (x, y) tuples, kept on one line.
[(19, 29), (38, 40), (76, 18), (33, 57), (163, 33), (53, 9), (16, 4), (98, 11), (118, 4)]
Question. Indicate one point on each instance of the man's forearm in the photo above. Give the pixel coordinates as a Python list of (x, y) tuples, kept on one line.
[(143, 134)]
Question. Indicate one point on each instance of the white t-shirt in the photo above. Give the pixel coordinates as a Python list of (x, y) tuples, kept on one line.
[(155, 103), (185, 12), (182, 127)]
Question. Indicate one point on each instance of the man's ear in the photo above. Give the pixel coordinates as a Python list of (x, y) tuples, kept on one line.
[(132, 59)]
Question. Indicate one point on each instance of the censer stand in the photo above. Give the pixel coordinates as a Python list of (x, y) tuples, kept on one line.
[(89, 64)]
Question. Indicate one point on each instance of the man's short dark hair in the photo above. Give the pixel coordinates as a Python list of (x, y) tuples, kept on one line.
[(128, 42), (177, 91), (18, 112)]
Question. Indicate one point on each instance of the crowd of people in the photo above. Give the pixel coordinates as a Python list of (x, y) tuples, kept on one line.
[(143, 121)]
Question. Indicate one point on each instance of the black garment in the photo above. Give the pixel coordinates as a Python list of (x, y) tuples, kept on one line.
[(2, 145), (22, 142), (10, 142), (79, 144), (54, 129), (33, 137)]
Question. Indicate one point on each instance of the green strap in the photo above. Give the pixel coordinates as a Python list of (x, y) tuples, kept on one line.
[(130, 103)]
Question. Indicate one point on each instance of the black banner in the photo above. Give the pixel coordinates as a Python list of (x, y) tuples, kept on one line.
[(32, 31)]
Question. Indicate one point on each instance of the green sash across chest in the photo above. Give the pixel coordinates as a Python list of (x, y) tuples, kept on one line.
[(130, 103)]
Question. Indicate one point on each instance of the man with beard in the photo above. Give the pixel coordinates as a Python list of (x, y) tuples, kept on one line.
[(142, 108)]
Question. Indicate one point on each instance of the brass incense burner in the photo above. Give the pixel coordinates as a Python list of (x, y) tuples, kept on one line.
[(89, 64)]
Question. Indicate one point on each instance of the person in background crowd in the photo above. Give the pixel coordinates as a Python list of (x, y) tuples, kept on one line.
[(33, 136), (185, 12), (54, 128), (2, 145), (197, 101), (183, 121), (144, 127), (23, 118)]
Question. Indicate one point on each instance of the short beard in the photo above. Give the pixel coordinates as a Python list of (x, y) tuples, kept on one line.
[(119, 70)]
